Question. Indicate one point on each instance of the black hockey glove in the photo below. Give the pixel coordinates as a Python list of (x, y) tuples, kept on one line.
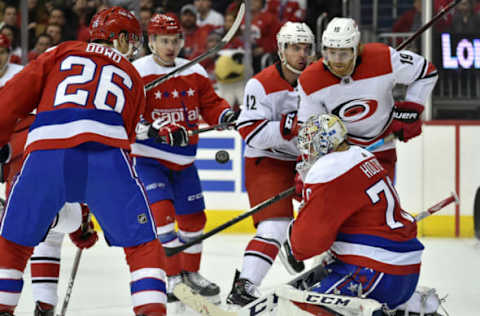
[(5, 153), (169, 133)]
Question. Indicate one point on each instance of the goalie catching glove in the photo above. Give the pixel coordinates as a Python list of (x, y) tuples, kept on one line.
[(85, 236), (406, 122), (167, 132)]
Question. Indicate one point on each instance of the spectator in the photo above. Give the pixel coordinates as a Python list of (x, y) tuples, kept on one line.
[(9, 16), (56, 33), (195, 37), (411, 20), (57, 16), (288, 10), (43, 42), (444, 23), (146, 14), (264, 29), (206, 15), (236, 41), (37, 20), (464, 19), (11, 32)]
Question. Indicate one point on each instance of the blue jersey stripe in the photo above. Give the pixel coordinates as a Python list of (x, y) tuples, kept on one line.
[(376, 241), (147, 284), (11, 285), (64, 116)]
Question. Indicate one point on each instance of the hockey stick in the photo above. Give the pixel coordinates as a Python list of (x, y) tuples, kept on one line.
[(290, 291), (73, 274), (437, 207), (174, 250), (437, 17), (211, 128), (380, 142), (224, 41), (76, 263)]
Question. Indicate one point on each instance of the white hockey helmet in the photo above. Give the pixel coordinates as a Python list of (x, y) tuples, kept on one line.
[(321, 134), (294, 33), (341, 33)]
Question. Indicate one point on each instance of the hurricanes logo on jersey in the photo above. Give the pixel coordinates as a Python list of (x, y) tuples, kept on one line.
[(356, 110)]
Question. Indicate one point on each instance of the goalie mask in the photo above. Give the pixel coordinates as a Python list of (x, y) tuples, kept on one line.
[(108, 24), (165, 38), (340, 46), (294, 33), (320, 134)]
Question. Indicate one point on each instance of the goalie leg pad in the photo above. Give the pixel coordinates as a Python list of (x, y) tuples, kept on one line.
[(351, 280)]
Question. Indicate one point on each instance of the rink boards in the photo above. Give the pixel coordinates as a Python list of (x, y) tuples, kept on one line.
[(446, 157)]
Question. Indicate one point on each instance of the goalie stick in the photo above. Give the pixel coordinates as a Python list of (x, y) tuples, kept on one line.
[(223, 42), (266, 304), (174, 250)]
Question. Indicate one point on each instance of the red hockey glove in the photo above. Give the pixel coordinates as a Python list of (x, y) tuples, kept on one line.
[(298, 187), (85, 236), (406, 122), (169, 133), (289, 125)]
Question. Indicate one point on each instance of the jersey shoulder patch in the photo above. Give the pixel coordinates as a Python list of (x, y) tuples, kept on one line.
[(375, 61), (334, 165), (316, 77)]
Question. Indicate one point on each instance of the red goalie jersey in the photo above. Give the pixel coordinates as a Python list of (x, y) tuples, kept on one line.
[(352, 208)]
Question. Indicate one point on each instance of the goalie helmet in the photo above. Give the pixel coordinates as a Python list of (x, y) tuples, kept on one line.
[(321, 134), (294, 33), (107, 25)]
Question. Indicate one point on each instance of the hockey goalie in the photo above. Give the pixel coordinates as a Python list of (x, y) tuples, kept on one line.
[(352, 210)]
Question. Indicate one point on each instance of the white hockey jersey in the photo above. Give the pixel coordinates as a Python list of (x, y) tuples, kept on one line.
[(364, 101), (12, 70), (267, 96)]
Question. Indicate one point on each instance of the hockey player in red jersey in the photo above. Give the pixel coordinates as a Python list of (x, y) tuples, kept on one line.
[(355, 82), (165, 162), (268, 124), (89, 99), (351, 209)]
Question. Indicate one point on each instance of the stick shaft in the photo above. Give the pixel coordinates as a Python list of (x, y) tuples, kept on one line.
[(437, 207), (174, 250), (76, 263), (211, 128), (437, 17)]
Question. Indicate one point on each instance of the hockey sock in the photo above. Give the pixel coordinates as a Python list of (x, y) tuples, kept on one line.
[(190, 227), (12, 264), (45, 269), (148, 286)]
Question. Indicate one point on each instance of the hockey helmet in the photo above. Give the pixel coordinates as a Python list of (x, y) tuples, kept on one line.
[(294, 33), (321, 134)]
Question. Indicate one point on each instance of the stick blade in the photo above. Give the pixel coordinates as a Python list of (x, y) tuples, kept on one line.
[(199, 303)]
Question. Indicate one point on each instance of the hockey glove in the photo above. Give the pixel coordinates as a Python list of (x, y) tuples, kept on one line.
[(85, 236), (289, 125), (169, 133), (406, 122), (286, 255), (5, 153), (229, 117), (141, 130)]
